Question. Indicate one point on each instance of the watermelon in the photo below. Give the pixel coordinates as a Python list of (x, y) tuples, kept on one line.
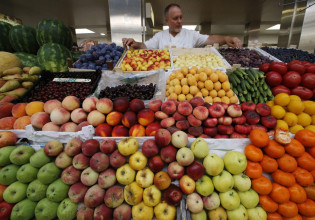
[(53, 57), (53, 31), (23, 39), (4, 37), (27, 59)]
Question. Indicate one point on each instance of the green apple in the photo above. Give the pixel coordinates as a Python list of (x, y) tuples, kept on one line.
[(67, 210), (240, 213), (230, 199), (199, 216), (5, 155), (8, 174), (27, 173), (217, 214), (36, 190), (257, 213), (57, 191), (15, 192), (223, 182), (23, 210), (242, 182), (39, 159), (204, 186), (21, 155), (46, 209), (48, 173), (249, 199), (235, 162), (213, 164), (200, 148)]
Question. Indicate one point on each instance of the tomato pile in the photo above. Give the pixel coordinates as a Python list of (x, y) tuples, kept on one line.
[(292, 168), (295, 78)]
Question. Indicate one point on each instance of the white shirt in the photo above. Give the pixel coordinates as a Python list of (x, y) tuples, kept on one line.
[(184, 39)]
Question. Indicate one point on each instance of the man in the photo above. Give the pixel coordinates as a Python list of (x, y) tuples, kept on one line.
[(178, 36)]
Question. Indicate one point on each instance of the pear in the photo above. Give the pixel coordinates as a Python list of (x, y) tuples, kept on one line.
[(10, 85), (27, 84), (17, 92), (12, 71), (35, 70)]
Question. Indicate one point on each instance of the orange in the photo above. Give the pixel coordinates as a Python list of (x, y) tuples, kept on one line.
[(294, 148), (253, 170), (274, 150), (262, 185), (279, 194), (282, 99), (294, 129), (307, 208), (283, 178), (297, 193), (288, 209), (253, 153), (274, 216), (269, 164), (259, 137), (267, 203), (287, 163)]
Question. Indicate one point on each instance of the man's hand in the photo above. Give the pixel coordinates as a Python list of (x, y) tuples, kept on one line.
[(128, 41), (233, 42)]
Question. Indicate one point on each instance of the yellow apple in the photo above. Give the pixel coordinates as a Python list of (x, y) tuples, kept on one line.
[(151, 196), (125, 174), (137, 161), (142, 212), (164, 211), (144, 178), (133, 193), (128, 146)]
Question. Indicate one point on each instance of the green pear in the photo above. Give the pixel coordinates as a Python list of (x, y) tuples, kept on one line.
[(19, 92), (46, 209), (27, 173), (35, 70), (8, 174), (242, 182), (48, 173), (15, 192), (67, 210), (235, 162), (36, 191), (27, 85), (223, 182), (213, 164), (249, 199), (5, 154), (21, 155), (200, 148), (239, 213), (230, 199), (57, 191), (39, 159), (10, 85), (24, 210)]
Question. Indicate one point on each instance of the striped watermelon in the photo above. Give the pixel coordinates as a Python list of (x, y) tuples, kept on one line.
[(27, 59), (53, 57), (4, 37), (54, 31), (23, 39)]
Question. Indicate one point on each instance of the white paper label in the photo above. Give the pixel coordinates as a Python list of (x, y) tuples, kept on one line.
[(71, 80)]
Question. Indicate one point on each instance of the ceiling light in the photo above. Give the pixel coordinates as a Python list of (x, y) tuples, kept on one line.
[(275, 27), (102, 34), (83, 31), (189, 27)]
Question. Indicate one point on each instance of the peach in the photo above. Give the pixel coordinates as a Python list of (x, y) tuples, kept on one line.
[(22, 122), (129, 119), (182, 125), (160, 115), (18, 110), (89, 104), (50, 126), (168, 107), (145, 117), (70, 103), (204, 136), (95, 118), (137, 131), (78, 115), (121, 104), (69, 127), (195, 131), (6, 109), (178, 117), (155, 105), (7, 123), (196, 101), (201, 113), (172, 129), (114, 118), (59, 116), (39, 119), (34, 107), (194, 121), (103, 130), (136, 105), (82, 124), (152, 128), (104, 105), (167, 122), (51, 105), (185, 108), (173, 100), (120, 131)]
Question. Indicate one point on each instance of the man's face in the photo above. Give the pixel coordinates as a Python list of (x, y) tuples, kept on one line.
[(174, 19)]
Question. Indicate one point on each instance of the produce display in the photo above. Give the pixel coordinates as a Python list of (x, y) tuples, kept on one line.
[(289, 54), (209, 60), (146, 60), (244, 56), (4, 37), (295, 78), (213, 86), (98, 56), (250, 86)]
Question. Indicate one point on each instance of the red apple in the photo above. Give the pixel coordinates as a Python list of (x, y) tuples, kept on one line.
[(173, 195), (175, 170), (116, 160), (149, 148), (156, 163), (108, 145), (90, 147), (168, 154), (162, 137), (195, 170), (99, 162)]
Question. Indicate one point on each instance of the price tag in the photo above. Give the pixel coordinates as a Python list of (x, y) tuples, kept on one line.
[(71, 80)]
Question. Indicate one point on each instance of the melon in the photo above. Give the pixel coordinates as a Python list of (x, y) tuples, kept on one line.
[(8, 60)]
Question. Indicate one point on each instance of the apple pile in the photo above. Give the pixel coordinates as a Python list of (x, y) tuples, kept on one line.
[(34, 185)]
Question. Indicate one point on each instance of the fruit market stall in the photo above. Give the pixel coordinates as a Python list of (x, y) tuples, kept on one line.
[(289, 54)]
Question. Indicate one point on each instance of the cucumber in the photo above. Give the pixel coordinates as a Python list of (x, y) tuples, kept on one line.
[(249, 98), (243, 85), (249, 87), (232, 80), (255, 74), (239, 73), (235, 91), (260, 99), (250, 75), (241, 98), (238, 81)]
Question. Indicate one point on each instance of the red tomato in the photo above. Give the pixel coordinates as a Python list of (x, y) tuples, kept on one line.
[(295, 61), (280, 89), (5, 210), (311, 69), (308, 80), (292, 79), (298, 67), (278, 67), (273, 78), (302, 92), (264, 67)]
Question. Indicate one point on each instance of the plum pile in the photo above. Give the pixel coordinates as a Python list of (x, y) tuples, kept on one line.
[(289, 54), (98, 55), (143, 92), (245, 57)]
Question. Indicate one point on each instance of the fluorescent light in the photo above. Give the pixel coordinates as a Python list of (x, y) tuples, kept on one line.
[(102, 34), (83, 31), (189, 27), (275, 27)]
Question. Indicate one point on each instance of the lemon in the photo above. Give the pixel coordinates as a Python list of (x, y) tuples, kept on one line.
[(277, 111), (214, 77), (309, 107), (290, 118), (282, 124), (310, 127), (296, 107), (189, 96), (217, 86), (185, 89), (205, 92), (295, 98), (225, 99), (296, 128), (208, 99), (217, 99), (229, 93), (213, 93), (173, 96), (233, 99), (193, 90), (221, 93), (304, 119), (282, 99), (181, 97), (270, 103)]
